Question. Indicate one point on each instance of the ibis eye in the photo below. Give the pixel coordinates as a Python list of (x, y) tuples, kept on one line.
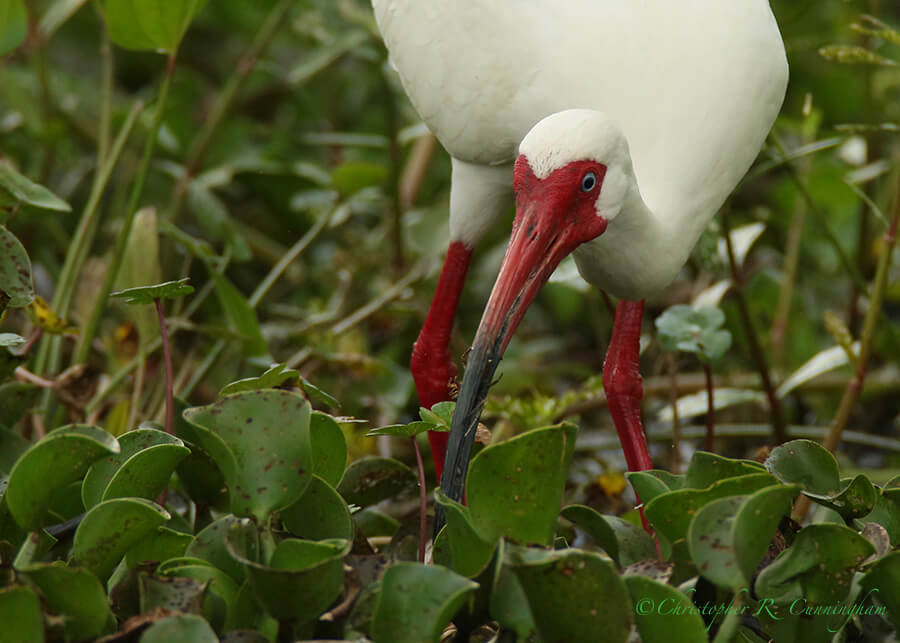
[(588, 182)]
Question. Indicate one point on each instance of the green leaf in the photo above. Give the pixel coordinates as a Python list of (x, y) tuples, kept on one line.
[(317, 394), (469, 553), (181, 628), (277, 375), (407, 614), (240, 314), (13, 28), (162, 545), (654, 482), (58, 13), (260, 440), (150, 24), (302, 580), (149, 294), (807, 464), (15, 272), (405, 430), (370, 480), (141, 267), (574, 595), (514, 488), (209, 545), (353, 176), (18, 185), (887, 512), (663, 614), (329, 448), (729, 536), (221, 595), (694, 330), (20, 613), (74, 594), (882, 582), (707, 468), (817, 567), (624, 542), (141, 469), (177, 594), (439, 414), (110, 529), (60, 458), (320, 513)]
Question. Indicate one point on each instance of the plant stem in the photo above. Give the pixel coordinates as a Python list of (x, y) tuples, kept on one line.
[(779, 434), (676, 423), (709, 442), (167, 357), (390, 115), (423, 500), (90, 328)]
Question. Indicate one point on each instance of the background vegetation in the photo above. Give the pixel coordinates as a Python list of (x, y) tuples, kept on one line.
[(292, 182)]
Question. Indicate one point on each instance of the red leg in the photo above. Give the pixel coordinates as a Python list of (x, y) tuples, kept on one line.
[(431, 364), (622, 383)]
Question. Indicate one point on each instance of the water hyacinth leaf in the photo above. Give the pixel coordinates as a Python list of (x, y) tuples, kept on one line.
[(142, 468), (59, 459), (73, 594), (261, 442), (329, 448), (209, 545), (19, 186), (470, 554), (672, 617), (180, 628), (15, 272), (110, 529), (574, 595), (275, 376), (706, 468), (319, 514), (302, 579), (807, 464), (20, 613), (882, 582), (149, 294), (624, 542), (817, 567), (514, 488), (406, 614), (149, 25), (671, 514), (370, 480)]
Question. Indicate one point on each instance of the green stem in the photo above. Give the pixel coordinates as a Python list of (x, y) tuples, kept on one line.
[(225, 100), (390, 113), (779, 433), (709, 442), (423, 500), (90, 328), (167, 357)]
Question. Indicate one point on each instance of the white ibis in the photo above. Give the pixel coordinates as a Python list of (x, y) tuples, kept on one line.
[(636, 120)]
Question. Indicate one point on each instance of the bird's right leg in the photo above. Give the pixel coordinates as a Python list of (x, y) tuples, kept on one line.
[(431, 364)]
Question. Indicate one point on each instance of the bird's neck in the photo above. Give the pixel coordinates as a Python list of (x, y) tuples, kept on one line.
[(641, 251)]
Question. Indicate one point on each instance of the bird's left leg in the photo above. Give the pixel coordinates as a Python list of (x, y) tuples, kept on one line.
[(622, 383)]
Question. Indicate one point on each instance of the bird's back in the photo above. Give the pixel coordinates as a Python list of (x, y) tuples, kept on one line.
[(694, 84)]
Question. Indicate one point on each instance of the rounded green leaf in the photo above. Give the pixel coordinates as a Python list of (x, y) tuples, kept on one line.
[(209, 545), (20, 613), (807, 464), (417, 602), (19, 185), (882, 582), (261, 442), (302, 580), (663, 614), (329, 448), (181, 628), (110, 529), (817, 567), (368, 481), (74, 594), (164, 544), (469, 553), (172, 593), (574, 596), (275, 376), (707, 468), (149, 24), (625, 543), (222, 591), (141, 469), (514, 488), (648, 484), (56, 461), (15, 271), (149, 294), (320, 513)]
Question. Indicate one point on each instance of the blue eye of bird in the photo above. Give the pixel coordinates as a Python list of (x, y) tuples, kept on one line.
[(588, 182)]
